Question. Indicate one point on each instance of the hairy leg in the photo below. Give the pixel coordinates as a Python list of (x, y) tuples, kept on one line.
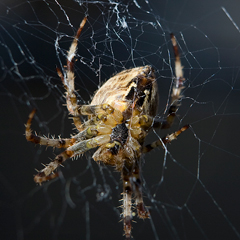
[(164, 140), (74, 150), (137, 181), (69, 76), (127, 200), (59, 143)]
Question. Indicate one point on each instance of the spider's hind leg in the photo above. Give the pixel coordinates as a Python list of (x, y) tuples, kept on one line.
[(132, 185), (137, 181), (127, 199)]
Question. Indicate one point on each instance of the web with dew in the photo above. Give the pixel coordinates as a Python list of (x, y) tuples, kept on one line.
[(191, 188)]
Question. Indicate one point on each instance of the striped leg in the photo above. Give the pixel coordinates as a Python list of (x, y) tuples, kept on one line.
[(77, 149), (127, 200), (164, 140), (68, 77), (141, 209), (89, 132), (178, 86), (59, 143)]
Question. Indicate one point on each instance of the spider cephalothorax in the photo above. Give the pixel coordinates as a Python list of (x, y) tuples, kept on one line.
[(120, 116)]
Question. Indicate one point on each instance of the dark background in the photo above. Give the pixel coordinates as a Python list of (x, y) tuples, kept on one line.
[(193, 189)]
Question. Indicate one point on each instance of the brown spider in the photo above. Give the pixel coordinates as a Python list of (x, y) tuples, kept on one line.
[(120, 116)]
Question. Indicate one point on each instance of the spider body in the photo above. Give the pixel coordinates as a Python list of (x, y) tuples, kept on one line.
[(120, 116), (133, 94)]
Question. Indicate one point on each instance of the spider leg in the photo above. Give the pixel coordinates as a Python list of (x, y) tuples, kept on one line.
[(74, 150), (68, 77), (92, 131), (89, 132), (92, 121), (104, 112), (127, 199), (141, 209), (98, 114), (176, 90), (59, 143), (163, 141)]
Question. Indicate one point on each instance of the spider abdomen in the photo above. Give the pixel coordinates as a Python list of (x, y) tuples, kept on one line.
[(132, 92)]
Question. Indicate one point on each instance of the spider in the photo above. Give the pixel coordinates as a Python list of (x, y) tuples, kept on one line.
[(120, 115)]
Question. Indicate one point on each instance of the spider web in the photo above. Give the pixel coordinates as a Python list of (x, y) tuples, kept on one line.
[(192, 189)]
